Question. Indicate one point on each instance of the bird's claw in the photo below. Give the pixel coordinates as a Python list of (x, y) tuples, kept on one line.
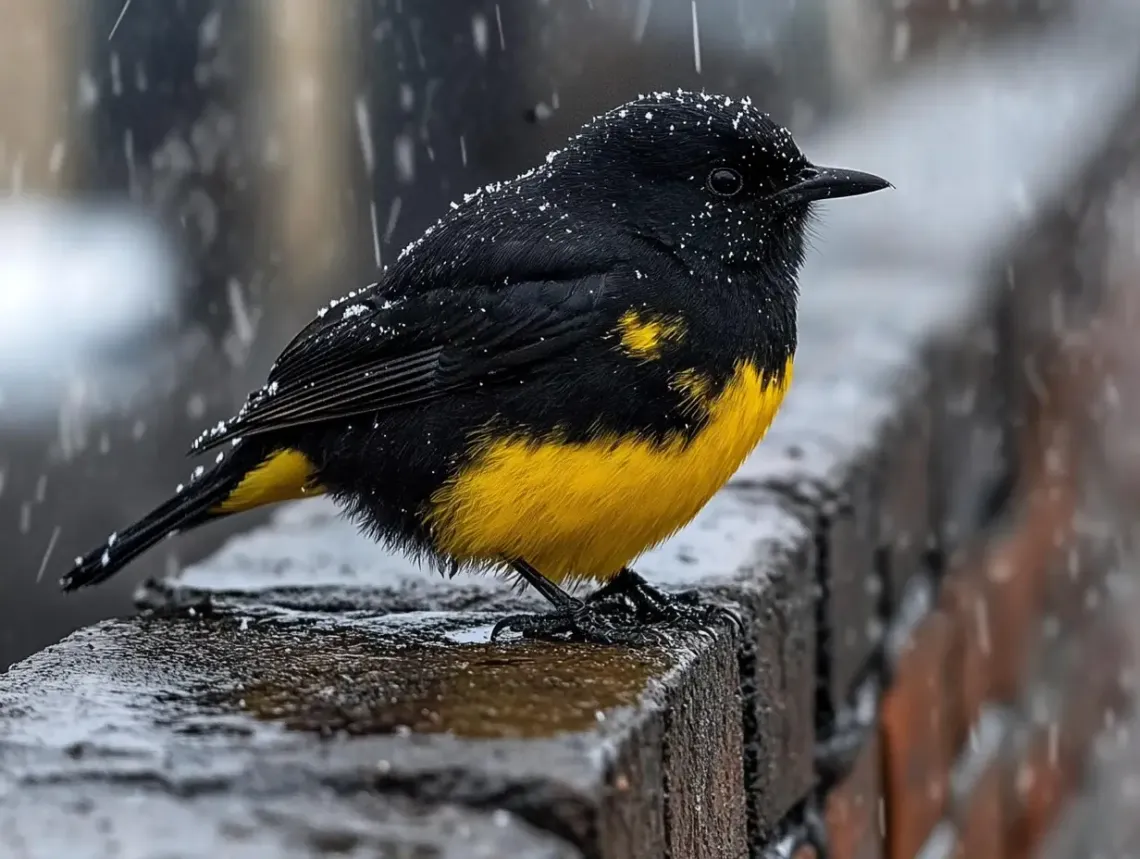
[(582, 625), (633, 614), (689, 608)]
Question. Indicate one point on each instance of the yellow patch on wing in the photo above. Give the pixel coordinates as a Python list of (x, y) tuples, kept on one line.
[(283, 476), (642, 336), (695, 388), (585, 510)]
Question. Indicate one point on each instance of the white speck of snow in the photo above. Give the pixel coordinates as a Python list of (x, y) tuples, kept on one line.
[(354, 310), (393, 217), (480, 33), (696, 40), (499, 24), (47, 553), (407, 97), (196, 406), (404, 151), (119, 19), (375, 233), (58, 153), (641, 20), (88, 91), (243, 324), (364, 132)]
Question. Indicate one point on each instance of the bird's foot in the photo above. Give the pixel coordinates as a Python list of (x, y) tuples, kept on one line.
[(685, 610), (587, 623), (627, 610)]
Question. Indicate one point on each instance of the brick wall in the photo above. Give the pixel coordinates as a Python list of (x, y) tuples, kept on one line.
[(969, 729)]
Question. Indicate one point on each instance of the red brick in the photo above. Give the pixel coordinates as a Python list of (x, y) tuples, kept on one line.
[(965, 598), (983, 820), (905, 525), (1015, 584), (1093, 690), (853, 817), (1040, 785), (1053, 757), (918, 714)]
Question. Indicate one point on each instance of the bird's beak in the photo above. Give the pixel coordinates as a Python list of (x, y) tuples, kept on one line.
[(826, 183)]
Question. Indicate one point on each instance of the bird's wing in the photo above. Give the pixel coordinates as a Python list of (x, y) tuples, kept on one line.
[(382, 355)]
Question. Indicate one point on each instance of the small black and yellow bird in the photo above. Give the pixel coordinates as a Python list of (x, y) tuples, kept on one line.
[(555, 377)]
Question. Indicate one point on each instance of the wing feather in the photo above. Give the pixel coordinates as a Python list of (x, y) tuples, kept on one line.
[(408, 353)]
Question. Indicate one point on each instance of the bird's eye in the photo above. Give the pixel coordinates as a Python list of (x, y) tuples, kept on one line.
[(725, 182)]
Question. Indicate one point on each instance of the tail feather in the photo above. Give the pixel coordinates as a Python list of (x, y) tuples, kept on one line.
[(190, 507)]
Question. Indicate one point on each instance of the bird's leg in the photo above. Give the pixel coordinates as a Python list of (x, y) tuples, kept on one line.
[(570, 617), (626, 610), (557, 597)]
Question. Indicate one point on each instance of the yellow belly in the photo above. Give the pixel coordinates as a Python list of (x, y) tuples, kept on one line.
[(585, 510)]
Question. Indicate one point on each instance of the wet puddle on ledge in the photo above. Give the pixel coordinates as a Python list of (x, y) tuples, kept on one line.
[(402, 676)]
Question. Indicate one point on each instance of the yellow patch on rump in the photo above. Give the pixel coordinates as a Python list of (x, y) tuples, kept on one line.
[(643, 336), (284, 476), (585, 510)]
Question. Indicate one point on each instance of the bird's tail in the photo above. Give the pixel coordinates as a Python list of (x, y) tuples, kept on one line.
[(191, 506), (247, 477)]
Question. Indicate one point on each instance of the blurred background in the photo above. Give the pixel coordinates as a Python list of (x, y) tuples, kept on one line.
[(186, 181)]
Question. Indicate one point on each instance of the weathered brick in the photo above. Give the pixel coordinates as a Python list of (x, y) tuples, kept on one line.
[(1077, 578), (905, 530), (970, 430), (983, 818), (1094, 686), (1076, 684), (965, 599), (1039, 786), (779, 684), (854, 821), (704, 762), (981, 808), (50, 821), (580, 742), (942, 843), (853, 586), (917, 722), (1015, 571)]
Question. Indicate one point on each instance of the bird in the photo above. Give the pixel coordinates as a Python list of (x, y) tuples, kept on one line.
[(554, 378)]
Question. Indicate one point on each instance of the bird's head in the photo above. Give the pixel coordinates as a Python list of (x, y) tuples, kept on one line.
[(712, 178)]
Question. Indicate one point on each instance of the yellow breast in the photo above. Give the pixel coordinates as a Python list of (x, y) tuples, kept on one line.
[(585, 510)]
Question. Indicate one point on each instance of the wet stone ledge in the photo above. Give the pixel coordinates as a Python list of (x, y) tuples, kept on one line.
[(304, 694)]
